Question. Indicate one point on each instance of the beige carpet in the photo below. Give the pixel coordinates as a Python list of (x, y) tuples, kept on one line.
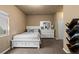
[(49, 46)]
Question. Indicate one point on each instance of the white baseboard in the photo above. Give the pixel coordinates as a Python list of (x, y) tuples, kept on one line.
[(5, 50), (66, 51)]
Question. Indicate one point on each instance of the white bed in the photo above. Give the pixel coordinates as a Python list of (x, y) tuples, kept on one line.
[(28, 36), (27, 39)]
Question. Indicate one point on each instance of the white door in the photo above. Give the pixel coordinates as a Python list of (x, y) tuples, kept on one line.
[(61, 29)]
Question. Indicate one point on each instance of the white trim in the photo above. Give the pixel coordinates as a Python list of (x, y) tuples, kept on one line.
[(3, 13), (5, 50), (66, 51), (4, 35)]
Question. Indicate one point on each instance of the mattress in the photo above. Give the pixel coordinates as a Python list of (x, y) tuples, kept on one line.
[(27, 36)]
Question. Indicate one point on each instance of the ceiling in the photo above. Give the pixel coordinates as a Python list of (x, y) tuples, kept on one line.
[(40, 9)]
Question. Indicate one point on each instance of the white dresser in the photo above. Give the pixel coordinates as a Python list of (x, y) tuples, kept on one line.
[(46, 29), (47, 33)]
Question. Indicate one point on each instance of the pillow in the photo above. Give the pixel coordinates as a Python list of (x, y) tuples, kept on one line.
[(35, 30), (30, 30)]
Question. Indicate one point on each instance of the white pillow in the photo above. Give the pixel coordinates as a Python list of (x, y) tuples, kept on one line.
[(30, 30)]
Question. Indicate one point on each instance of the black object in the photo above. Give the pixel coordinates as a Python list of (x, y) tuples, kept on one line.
[(73, 48), (74, 43), (68, 31), (74, 39), (73, 23), (75, 30)]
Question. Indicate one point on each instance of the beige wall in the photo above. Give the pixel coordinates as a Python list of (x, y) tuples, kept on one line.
[(70, 12), (35, 19), (16, 23)]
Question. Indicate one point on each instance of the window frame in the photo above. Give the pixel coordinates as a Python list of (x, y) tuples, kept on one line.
[(4, 13)]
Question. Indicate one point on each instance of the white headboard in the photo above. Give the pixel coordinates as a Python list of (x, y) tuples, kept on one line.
[(32, 27)]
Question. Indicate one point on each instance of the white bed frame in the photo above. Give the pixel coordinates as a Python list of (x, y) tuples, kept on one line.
[(24, 43)]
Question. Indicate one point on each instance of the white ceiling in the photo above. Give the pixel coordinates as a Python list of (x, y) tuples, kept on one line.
[(40, 9)]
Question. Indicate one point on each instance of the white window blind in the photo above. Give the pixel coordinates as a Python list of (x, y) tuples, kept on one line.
[(4, 23)]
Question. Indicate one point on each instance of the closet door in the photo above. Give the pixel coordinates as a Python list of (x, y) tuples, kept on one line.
[(59, 26), (61, 29)]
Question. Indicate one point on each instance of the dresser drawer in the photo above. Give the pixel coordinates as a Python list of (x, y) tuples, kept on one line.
[(47, 35)]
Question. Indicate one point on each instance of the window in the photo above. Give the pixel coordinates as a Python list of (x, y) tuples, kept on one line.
[(4, 23)]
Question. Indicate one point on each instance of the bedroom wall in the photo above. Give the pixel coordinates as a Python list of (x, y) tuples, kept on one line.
[(34, 20), (70, 12), (16, 23)]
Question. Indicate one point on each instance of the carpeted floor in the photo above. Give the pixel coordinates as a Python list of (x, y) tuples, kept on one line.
[(49, 46)]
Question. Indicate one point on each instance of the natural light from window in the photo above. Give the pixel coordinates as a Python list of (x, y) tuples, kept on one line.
[(4, 24)]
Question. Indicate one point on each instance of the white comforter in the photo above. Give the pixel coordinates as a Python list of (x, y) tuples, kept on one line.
[(27, 36)]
